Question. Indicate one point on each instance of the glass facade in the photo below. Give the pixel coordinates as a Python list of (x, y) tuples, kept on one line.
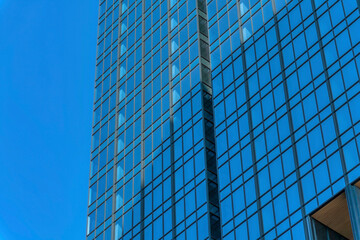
[(222, 119), (287, 110)]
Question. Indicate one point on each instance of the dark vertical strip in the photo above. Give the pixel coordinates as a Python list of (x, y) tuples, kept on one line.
[(288, 110), (251, 128), (172, 156), (333, 114), (208, 117)]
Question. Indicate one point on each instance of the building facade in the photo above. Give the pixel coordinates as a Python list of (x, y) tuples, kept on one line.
[(226, 119)]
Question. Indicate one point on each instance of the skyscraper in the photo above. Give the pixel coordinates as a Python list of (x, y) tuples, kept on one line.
[(226, 119)]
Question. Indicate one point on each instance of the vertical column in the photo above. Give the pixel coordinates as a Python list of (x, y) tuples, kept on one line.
[(208, 116), (311, 233), (353, 202)]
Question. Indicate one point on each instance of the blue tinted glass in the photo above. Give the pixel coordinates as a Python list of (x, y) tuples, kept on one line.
[(220, 103)]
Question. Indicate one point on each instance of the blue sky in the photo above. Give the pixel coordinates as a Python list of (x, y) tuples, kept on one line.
[(47, 67)]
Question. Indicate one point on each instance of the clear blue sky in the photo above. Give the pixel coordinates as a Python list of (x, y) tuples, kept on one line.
[(47, 62)]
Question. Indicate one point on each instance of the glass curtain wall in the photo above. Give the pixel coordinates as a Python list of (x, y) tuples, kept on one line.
[(153, 168), (286, 104)]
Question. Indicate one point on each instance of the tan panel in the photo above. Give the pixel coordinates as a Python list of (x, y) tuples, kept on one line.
[(335, 215), (357, 184)]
